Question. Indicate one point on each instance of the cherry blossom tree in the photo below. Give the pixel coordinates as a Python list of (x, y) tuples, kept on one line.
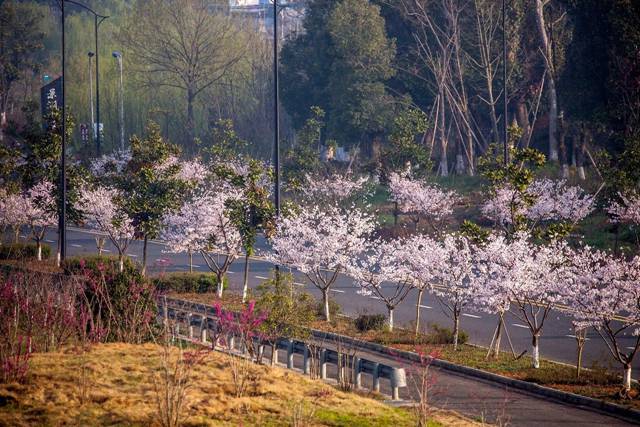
[(498, 263), (203, 224), (543, 201), (320, 243), (418, 199), (333, 189), (110, 164), (13, 209), (455, 278), (544, 272), (379, 272), (626, 210), (40, 211), (420, 256), (104, 213), (605, 295)]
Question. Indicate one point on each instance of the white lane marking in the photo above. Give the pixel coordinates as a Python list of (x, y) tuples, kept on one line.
[(76, 246), (518, 325), (425, 306), (231, 272), (473, 316), (49, 241), (298, 284), (573, 336), (631, 348), (23, 236), (106, 250), (374, 297), (194, 266), (132, 255), (337, 290), (261, 277)]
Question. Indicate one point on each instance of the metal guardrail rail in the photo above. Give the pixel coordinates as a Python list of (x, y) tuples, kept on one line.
[(200, 320)]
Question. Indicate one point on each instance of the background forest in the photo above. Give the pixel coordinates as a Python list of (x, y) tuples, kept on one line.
[(401, 80)]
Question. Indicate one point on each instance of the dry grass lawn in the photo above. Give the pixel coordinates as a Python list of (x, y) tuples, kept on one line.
[(113, 385)]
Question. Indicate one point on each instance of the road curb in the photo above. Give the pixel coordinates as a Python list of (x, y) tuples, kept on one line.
[(619, 411)]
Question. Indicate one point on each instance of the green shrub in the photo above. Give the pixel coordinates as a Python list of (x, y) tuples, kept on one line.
[(442, 335), (123, 304), (370, 322), (192, 283), (23, 250), (334, 309), (98, 263)]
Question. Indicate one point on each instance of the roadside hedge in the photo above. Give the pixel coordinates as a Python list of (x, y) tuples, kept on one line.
[(187, 283), (23, 250)]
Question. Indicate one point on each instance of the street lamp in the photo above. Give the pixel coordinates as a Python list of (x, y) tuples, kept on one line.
[(504, 77), (62, 214), (97, 20), (91, 55), (118, 56)]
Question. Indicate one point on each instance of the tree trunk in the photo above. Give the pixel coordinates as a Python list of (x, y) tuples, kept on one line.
[(390, 309), (99, 244), (579, 361), (626, 381), (325, 302), (494, 351), (245, 285), (190, 125), (39, 250), (120, 262), (581, 154), (522, 117), (535, 349), (456, 331), (443, 168), (562, 145), (190, 261), (220, 278), (418, 304), (551, 83), (144, 255)]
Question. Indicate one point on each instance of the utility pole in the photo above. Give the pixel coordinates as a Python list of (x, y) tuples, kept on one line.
[(504, 77), (276, 121), (62, 213), (93, 123), (118, 57)]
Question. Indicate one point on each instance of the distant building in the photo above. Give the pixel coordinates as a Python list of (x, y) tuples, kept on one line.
[(290, 18)]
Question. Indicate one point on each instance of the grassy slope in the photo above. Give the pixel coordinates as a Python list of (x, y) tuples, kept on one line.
[(120, 391)]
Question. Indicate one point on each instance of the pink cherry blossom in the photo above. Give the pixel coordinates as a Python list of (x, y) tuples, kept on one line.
[(334, 188), (378, 272), (627, 210), (418, 199), (102, 213), (320, 243), (203, 224), (41, 211), (605, 294), (552, 201)]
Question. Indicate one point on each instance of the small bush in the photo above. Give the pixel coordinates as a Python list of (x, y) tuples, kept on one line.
[(334, 309), (370, 322), (442, 335), (188, 283), (98, 263), (23, 250), (123, 303)]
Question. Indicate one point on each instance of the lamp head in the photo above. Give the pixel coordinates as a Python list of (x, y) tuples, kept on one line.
[(116, 54), (91, 54)]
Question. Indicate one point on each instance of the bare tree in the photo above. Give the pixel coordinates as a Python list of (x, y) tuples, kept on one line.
[(551, 78), (182, 44)]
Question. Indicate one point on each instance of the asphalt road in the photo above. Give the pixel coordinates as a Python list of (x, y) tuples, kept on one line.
[(556, 342)]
